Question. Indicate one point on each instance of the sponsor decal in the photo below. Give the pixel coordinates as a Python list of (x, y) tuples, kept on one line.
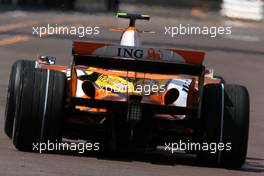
[(152, 54), (130, 52)]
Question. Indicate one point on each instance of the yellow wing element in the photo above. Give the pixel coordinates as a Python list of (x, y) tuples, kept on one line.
[(114, 84)]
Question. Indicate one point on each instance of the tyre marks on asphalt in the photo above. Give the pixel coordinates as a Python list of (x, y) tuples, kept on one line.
[(14, 39), (12, 26)]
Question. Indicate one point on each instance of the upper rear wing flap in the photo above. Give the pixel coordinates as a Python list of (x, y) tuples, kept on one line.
[(139, 59)]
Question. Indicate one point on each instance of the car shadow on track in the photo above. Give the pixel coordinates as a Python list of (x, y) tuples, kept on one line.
[(254, 165), (161, 157)]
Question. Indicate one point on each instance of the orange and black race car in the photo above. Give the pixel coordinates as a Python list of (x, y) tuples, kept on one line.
[(129, 97)]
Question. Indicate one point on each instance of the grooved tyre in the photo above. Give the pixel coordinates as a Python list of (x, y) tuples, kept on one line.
[(39, 108), (225, 119), (14, 83)]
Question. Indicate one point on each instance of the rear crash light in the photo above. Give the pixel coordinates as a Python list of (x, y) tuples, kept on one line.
[(134, 112)]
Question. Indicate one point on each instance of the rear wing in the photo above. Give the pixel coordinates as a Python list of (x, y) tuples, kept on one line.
[(138, 53), (139, 59)]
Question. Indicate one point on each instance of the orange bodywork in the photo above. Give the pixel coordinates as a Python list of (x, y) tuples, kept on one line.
[(109, 50)]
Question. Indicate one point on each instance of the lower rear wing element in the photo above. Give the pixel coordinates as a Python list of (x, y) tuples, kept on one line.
[(139, 65)]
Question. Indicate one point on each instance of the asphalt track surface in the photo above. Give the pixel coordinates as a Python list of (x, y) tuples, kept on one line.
[(239, 59)]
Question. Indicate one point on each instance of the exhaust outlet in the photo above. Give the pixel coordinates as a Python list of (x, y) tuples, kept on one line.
[(171, 96), (89, 89)]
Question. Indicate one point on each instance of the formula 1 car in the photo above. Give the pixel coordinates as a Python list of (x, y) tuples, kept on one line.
[(128, 97)]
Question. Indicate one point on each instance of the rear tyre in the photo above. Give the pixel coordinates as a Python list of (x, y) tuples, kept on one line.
[(14, 83), (39, 108), (228, 125)]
